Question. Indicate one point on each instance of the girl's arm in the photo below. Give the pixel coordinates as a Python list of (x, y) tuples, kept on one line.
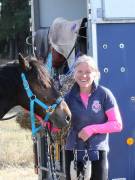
[(114, 124)]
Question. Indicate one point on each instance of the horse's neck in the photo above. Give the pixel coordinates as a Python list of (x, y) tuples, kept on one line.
[(7, 91), (5, 107), (62, 70), (7, 101)]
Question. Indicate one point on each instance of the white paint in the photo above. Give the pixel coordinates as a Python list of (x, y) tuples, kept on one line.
[(120, 179)]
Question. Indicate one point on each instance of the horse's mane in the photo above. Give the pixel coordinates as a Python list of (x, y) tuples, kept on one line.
[(11, 69), (40, 70), (10, 74)]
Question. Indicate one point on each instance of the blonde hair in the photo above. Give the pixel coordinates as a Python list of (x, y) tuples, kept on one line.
[(91, 63)]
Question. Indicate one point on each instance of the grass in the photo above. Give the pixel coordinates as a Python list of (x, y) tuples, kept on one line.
[(12, 173), (16, 152)]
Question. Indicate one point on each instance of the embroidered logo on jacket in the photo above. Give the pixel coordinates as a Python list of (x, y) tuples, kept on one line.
[(96, 106)]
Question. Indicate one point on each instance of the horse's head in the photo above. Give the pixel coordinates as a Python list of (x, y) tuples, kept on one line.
[(42, 87), (57, 59)]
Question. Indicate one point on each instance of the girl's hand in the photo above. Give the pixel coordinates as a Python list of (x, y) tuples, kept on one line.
[(85, 133)]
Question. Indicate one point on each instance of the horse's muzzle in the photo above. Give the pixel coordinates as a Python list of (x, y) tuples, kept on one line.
[(60, 120)]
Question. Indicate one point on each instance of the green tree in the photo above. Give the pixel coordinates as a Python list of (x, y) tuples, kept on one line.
[(14, 26)]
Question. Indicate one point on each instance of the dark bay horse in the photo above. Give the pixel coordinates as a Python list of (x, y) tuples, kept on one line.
[(65, 40), (12, 92)]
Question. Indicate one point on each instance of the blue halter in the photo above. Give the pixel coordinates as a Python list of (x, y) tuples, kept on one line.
[(33, 100)]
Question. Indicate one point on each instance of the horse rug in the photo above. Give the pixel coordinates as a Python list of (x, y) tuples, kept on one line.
[(63, 35)]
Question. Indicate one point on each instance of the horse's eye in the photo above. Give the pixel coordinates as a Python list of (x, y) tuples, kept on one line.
[(68, 118)]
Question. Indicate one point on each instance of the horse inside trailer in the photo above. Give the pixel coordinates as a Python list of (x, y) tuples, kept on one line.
[(65, 40)]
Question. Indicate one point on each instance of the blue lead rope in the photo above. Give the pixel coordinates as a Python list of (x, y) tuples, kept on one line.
[(33, 100)]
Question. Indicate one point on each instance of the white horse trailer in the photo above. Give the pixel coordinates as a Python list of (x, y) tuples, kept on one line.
[(110, 40)]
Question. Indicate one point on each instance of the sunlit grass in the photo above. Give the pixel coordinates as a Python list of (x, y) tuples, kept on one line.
[(15, 145), (16, 152), (13, 173)]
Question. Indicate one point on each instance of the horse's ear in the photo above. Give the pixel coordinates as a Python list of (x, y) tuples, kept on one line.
[(23, 62)]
